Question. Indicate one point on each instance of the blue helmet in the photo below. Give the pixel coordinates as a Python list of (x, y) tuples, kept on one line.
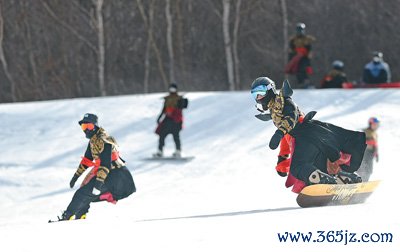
[(263, 87), (373, 120)]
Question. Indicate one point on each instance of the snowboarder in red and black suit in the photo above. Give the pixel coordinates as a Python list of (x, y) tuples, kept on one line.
[(109, 180), (317, 147), (300, 46), (172, 121)]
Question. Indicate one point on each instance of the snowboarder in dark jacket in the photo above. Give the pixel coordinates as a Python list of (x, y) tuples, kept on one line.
[(336, 77), (109, 179), (318, 147), (170, 120)]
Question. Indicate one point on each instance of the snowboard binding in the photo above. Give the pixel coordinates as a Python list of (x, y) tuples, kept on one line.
[(347, 178), (319, 177)]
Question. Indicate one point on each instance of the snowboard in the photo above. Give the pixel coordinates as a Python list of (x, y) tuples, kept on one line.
[(169, 158), (59, 220), (335, 194)]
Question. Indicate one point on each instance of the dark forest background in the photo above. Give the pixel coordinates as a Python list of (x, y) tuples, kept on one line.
[(52, 49)]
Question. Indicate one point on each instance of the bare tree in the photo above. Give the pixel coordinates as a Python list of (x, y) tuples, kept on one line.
[(3, 58), (101, 45), (170, 45), (150, 21), (60, 49), (68, 27), (30, 51), (284, 29), (153, 42), (96, 24), (235, 43), (180, 38), (226, 5)]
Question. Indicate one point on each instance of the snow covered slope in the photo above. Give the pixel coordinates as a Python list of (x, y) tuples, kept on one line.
[(229, 198)]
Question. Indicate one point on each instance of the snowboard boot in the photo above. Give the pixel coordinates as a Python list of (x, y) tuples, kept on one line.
[(159, 153), (347, 178), (66, 216), (319, 177), (177, 154), (80, 216)]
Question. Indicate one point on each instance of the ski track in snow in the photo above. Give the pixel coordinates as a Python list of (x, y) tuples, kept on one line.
[(228, 198)]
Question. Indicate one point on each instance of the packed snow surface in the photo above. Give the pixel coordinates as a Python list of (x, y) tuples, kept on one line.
[(229, 198)]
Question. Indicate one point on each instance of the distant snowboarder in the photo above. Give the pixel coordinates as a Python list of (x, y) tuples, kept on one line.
[(336, 76), (172, 121), (371, 152), (109, 180), (315, 148), (300, 46), (377, 71)]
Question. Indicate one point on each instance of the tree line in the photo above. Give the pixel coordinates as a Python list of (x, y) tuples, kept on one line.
[(51, 49)]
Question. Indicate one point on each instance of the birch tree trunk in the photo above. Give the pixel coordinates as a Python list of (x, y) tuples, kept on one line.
[(101, 46), (227, 43), (181, 43), (235, 42), (30, 50), (285, 30), (4, 61), (148, 47), (170, 45)]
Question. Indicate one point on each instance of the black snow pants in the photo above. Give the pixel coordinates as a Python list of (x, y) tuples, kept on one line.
[(169, 126), (302, 75), (119, 183), (307, 157)]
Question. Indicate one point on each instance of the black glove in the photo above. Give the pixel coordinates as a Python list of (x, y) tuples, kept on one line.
[(282, 158), (159, 118), (73, 180), (97, 188), (282, 174), (275, 140)]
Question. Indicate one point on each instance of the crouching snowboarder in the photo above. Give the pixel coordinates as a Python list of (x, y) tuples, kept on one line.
[(319, 152), (109, 180)]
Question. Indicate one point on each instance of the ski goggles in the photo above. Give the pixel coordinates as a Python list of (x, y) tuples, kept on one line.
[(260, 92), (85, 126)]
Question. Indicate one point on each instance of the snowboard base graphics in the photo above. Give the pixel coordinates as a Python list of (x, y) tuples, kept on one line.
[(335, 194)]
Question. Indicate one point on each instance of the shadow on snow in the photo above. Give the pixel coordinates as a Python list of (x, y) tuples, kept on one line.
[(228, 214)]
